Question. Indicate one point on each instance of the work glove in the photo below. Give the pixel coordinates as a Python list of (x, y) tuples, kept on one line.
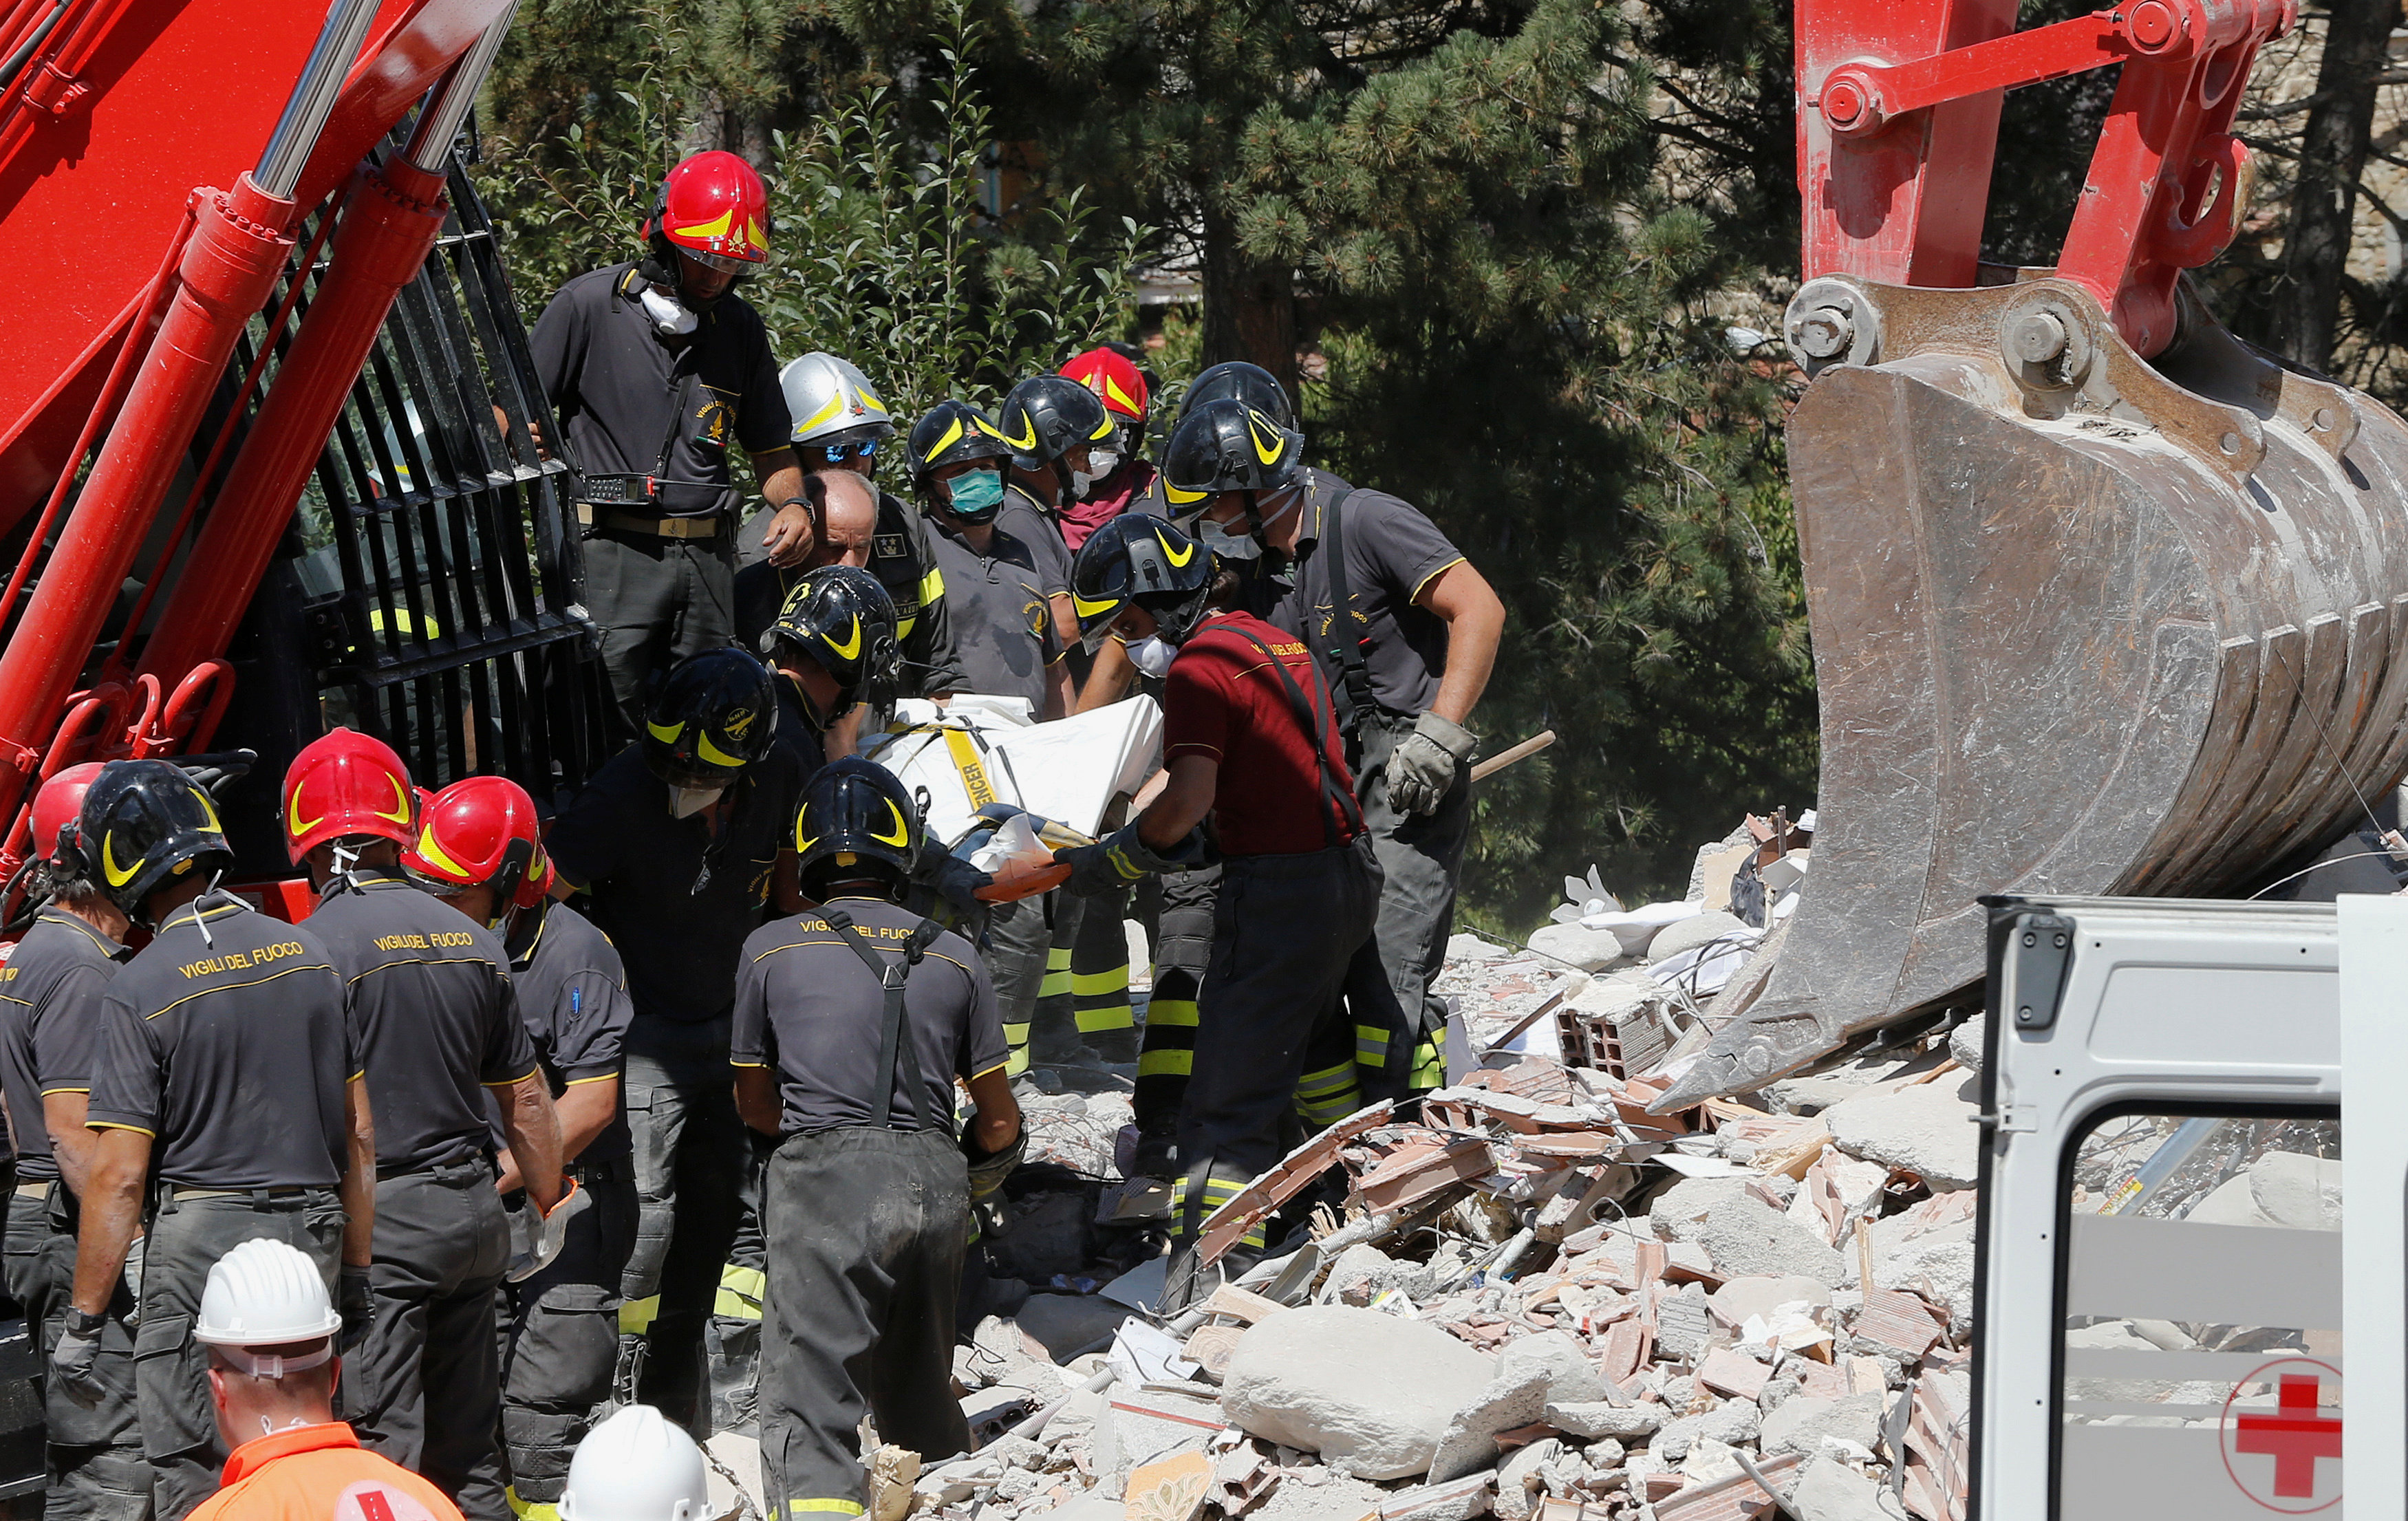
[(537, 1238), (1424, 766), (1120, 858), (944, 887), (989, 1169), (72, 1359), (356, 1302)]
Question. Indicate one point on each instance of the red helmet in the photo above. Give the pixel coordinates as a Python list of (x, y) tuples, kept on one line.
[(481, 832), (58, 804), (347, 784), (1113, 379), (714, 207)]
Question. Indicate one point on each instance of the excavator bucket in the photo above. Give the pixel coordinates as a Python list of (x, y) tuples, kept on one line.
[(2102, 600), (2084, 622)]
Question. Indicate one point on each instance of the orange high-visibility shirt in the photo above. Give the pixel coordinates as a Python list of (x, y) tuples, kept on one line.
[(316, 1473)]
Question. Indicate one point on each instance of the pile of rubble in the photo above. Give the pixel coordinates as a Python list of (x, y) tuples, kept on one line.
[(1536, 1300)]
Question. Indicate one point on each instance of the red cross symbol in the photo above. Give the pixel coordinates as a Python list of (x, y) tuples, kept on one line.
[(2294, 1438)]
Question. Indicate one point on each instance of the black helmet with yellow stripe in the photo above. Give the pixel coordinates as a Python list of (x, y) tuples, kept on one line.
[(841, 619), (715, 713), (856, 822), (1236, 379), (1140, 558), (1046, 416), (147, 825), (1226, 445), (952, 433)]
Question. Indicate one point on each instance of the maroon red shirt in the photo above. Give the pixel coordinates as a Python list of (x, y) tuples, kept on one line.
[(1107, 499), (1224, 700)]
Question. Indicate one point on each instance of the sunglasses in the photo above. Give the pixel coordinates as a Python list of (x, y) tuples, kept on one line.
[(838, 454)]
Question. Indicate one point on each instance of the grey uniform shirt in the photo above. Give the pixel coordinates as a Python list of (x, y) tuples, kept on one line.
[(1041, 535), (632, 402), (1391, 553), (1003, 627), (572, 994), (50, 1018), (232, 1051), (439, 1020), (675, 895), (806, 1006)]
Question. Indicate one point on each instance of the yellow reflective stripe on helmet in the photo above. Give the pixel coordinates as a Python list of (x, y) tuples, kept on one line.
[(1103, 429), (835, 405), (435, 854), (867, 400), (1027, 442), (1178, 558), (741, 1292), (966, 760), (1085, 608), (718, 226), (1166, 1064), (635, 1317), (1170, 1010), (715, 755), (1181, 494), (1112, 392), (901, 838), (952, 435)]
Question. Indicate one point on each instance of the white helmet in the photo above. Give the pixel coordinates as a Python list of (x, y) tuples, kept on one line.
[(637, 1467), (265, 1294), (831, 403)]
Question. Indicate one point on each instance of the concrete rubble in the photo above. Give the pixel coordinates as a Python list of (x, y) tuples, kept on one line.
[(1530, 1298)]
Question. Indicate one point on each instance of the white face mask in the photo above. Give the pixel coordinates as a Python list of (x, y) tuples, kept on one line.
[(1080, 482), (1103, 461), (668, 313), (1229, 545), (685, 802), (1153, 656)]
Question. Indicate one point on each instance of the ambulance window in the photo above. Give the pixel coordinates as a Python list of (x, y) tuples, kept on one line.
[(2199, 1364)]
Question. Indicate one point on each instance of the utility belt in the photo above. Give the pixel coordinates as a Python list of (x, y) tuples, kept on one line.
[(165, 1195), (604, 516), (456, 1173)]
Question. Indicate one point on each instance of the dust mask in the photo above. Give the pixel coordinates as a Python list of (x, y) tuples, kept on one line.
[(685, 802), (1217, 537), (1153, 656), (1080, 482), (668, 314), (1105, 461)]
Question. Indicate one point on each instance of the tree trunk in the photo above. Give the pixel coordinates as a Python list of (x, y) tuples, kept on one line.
[(2306, 312), (1249, 308)]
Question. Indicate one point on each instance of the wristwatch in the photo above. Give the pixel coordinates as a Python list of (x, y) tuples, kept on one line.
[(82, 1324)]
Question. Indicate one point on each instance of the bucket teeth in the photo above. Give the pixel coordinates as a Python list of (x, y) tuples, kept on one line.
[(2125, 636)]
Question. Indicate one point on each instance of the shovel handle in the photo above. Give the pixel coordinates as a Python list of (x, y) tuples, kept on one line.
[(1528, 747)]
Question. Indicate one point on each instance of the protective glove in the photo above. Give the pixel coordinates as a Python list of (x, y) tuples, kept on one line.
[(356, 1302), (72, 1359), (1424, 766), (989, 1169), (537, 1238), (944, 887), (1120, 858)]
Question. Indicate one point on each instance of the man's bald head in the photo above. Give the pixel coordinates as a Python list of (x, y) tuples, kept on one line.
[(848, 518)]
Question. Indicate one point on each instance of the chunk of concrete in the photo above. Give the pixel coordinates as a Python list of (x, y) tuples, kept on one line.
[(1761, 1295), (2287, 1190), (1733, 1424), (1925, 1130), (1590, 950), (1370, 1393), (1679, 1213), (1830, 1490), (1468, 1443), (1463, 946), (1571, 1377), (1965, 1040), (1066, 1324), (1749, 1239), (1805, 1424), (1590, 1422)]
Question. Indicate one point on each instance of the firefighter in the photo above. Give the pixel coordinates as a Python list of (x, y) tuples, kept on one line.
[(227, 1064), (840, 429), (853, 1020), (657, 367), (1123, 479), (478, 850), (1053, 424), (1250, 743), (681, 840), (273, 1371), (439, 1029), (1002, 619), (50, 1016), (833, 642), (1405, 631)]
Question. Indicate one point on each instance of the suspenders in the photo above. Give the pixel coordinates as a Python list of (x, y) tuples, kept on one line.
[(894, 1052), (1334, 796)]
